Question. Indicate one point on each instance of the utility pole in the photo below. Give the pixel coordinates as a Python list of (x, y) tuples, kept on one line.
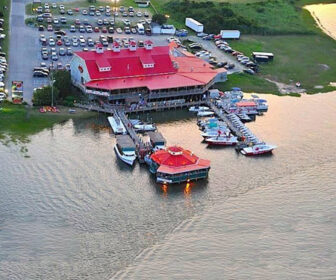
[(52, 84)]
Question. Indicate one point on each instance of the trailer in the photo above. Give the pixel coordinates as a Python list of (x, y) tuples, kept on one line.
[(194, 25), (263, 56), (230, 34)]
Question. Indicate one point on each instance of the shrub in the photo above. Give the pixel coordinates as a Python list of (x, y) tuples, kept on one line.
[(43, 95)]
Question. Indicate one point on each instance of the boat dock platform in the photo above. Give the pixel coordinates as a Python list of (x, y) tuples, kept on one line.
[(222, 115), (110, 109), (235, 125)]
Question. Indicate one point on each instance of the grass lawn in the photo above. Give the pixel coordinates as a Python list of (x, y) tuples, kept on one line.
[(248, 83), (304, 58), (19, 121)]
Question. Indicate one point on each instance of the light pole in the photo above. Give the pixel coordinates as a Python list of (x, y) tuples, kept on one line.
[(52, 84)]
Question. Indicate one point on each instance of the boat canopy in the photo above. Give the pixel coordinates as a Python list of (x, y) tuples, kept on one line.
[(125, 143), (156, 138)]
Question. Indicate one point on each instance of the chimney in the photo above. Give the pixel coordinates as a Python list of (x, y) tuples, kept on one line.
[(148, 45), (99, 48), (132, 46), (116, 47)]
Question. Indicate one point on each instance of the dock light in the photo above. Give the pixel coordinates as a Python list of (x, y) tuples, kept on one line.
[(167, 16)]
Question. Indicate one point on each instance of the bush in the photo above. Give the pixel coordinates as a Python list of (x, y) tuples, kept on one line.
[(159, 19), (69, 101), (62, 82), (43, 95)]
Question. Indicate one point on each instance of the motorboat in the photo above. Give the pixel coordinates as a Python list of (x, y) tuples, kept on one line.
[(198, 108), (244, 117), (127, 157), (258, 149), (226, 140), (205, 113), (214, 132), (125, 149), (116, 125), (141, 126)]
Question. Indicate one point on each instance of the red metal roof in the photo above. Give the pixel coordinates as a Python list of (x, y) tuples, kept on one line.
[(128, 63), (177, 160), (246, 104), (127, 69)]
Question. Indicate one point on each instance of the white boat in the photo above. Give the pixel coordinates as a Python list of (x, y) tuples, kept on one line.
[(198, 108), (125, 149), (226, 140), (127, 157), (117, 125), (214, 132), (258, 149), (144, 127), (205, 113)]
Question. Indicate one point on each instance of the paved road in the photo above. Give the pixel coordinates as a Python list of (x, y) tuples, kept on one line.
[(23, 51), (219, 54)]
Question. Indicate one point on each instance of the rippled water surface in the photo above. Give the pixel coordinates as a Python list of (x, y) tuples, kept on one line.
[(72, 211)]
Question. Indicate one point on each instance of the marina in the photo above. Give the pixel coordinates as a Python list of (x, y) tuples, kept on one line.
[(226, 112)]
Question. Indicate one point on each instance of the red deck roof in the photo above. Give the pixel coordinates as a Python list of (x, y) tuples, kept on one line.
[(175, 160)]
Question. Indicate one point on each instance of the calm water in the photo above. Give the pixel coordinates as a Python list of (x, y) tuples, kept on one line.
[(72, 211)]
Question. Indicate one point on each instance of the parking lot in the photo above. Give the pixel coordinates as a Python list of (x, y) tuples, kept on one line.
[(26, 45)]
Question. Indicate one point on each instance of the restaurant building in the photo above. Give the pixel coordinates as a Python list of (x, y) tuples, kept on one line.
[(147, 74)]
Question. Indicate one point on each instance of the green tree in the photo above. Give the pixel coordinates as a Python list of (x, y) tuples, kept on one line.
[(159, 19), (42, 96), (62, 82)]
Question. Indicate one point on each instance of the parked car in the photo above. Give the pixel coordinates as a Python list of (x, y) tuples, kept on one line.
[(70, 12), (62, 52), (111, 30), (52, 42), (104, 29), (54, 56), (84, 12), (249, 71), (119, 30), (96, 29), (41, 28), (60, 32), (40, 74)]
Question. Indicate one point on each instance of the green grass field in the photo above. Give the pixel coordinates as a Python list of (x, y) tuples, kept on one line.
[(304, 58)]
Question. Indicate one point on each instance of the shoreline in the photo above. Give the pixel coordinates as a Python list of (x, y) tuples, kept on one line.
[(320, 19)]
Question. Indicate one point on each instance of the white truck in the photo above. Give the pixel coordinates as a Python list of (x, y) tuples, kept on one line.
[(230, 34), (140, 28), (194, 25)]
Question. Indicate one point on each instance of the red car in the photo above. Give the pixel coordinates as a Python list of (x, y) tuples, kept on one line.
[(59, 43), (218, 36), (104, 30), (76, 10), (96, 29)]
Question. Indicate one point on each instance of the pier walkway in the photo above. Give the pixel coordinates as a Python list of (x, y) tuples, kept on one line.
[(110, 109), (222, 115)]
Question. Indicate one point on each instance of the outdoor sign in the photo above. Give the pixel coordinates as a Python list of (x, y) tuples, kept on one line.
[(17, 92)]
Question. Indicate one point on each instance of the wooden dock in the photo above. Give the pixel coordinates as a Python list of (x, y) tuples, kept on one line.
[(222, 115), (110, 109)]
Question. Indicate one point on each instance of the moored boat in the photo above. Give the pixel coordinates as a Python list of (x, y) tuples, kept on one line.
[(258, 149), (116, 125), (125, 149), (198, 108), (225, 140), (205, 113), (141, 126)]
